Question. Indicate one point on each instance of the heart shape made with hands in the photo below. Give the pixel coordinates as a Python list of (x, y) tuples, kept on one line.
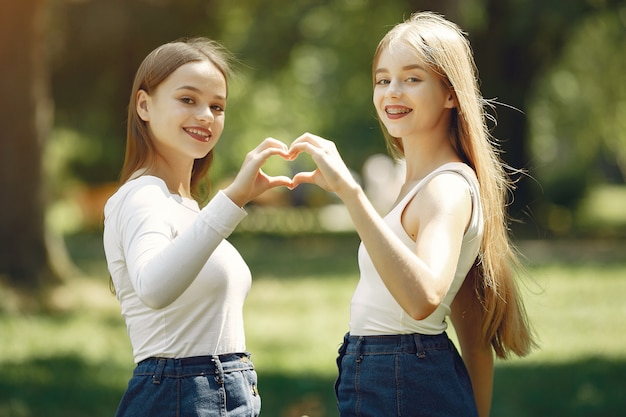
[(278, 165), (298, 170)]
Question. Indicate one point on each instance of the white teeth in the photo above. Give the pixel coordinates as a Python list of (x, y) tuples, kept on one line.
[(197, 132), (398, 111)]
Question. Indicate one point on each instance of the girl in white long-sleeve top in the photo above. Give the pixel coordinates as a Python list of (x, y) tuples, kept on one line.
[(180, 284)]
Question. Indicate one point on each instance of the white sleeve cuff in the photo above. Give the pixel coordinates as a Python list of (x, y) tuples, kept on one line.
[(222, 215)]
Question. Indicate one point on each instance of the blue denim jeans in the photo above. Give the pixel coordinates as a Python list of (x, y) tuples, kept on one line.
[(202, 386), (402, 375)]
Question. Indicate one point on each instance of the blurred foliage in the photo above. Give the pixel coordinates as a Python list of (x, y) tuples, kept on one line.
[(577, 112), (305, 66), (578, 129)]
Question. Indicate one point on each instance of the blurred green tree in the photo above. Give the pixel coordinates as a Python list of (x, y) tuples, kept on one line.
[(520, 42), (577, 114), (25, 121), (305, 67)]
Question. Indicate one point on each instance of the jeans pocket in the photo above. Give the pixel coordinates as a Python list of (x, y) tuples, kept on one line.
[(255, 397)]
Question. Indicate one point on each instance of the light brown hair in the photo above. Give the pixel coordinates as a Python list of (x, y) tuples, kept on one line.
[(155, 68)]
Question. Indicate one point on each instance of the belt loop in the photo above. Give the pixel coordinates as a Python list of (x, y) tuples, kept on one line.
[(421, 353), (357, 349), (158, 372), (219, 370)]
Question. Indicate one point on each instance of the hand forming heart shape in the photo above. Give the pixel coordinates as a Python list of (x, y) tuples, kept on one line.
[(330, 171)]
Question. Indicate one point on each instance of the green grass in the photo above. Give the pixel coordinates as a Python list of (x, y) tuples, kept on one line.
[(77, 360)]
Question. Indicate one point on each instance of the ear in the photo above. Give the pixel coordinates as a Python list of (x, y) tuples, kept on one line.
[(142, 101), (451, 100)]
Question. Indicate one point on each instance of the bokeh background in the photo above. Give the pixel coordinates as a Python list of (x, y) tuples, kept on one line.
[(554, 68)]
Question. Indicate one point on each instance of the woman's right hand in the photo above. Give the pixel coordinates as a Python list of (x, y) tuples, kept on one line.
[(331, 174), (251, 181)]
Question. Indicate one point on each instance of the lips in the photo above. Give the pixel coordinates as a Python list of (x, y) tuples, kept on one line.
[(198, 133), (396, 112)]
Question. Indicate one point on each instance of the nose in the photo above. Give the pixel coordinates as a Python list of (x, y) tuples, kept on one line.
[(205, 114), (394, 89)]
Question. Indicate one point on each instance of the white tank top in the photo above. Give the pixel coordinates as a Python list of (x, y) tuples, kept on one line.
[(373, 310)]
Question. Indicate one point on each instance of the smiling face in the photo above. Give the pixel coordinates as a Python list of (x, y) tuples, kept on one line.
[(185, 113), (410, 99)]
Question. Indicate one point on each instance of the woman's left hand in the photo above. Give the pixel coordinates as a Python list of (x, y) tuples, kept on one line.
[(331, 174), (251, 181)]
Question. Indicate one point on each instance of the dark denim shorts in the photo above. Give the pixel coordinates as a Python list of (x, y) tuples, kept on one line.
[(201, 386), (402, 375)]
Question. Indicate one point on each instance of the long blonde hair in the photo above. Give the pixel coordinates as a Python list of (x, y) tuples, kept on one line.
[(442, 46)]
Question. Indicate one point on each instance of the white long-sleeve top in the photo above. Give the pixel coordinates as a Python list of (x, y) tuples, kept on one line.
[(373, 310), (180, 284)]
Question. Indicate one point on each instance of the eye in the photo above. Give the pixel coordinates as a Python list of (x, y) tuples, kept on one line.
[(218, 108), (413, 79), (382, 81), (187, 100)]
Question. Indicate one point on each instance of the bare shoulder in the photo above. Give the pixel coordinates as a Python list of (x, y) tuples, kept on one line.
[(446, 191), (444, 200)]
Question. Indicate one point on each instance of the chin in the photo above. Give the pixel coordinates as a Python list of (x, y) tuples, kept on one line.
[(396, 133), (202, 153)]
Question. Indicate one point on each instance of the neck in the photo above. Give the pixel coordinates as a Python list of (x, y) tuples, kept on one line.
[(424, 154), (177, 178)]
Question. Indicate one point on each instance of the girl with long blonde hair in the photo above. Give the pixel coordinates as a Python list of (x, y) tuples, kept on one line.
[(442, 250)]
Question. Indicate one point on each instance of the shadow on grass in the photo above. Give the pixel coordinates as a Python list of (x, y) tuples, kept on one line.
[(60, 386), (591, 387), (68, 386)]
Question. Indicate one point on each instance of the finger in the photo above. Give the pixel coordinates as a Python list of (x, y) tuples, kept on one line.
[(313, 145), (275, 143), (299, 144), (306, 147), (279, 181), (310, 138), (257, 157), (271, 151), (274, 181), (303, 178), (269, 147)]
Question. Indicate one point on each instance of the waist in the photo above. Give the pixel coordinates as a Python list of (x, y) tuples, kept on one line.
[(399, 343), (226, 362), (374, 311), (219, 365), (197, 360)]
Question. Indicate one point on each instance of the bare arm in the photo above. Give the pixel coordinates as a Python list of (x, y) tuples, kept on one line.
[(418, 278), (467, 318)]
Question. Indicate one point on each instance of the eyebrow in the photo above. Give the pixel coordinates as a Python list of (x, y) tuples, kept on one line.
[(405, 68), (197, 90)]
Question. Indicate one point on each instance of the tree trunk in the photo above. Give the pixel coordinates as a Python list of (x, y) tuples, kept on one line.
[(25, 120)]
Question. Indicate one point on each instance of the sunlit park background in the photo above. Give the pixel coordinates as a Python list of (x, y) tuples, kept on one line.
[(66, 67)]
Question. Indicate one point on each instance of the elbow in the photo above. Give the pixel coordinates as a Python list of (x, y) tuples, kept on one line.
[(421, 314), (150, 294), (153, 300), (422, 301), (424, 309)]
